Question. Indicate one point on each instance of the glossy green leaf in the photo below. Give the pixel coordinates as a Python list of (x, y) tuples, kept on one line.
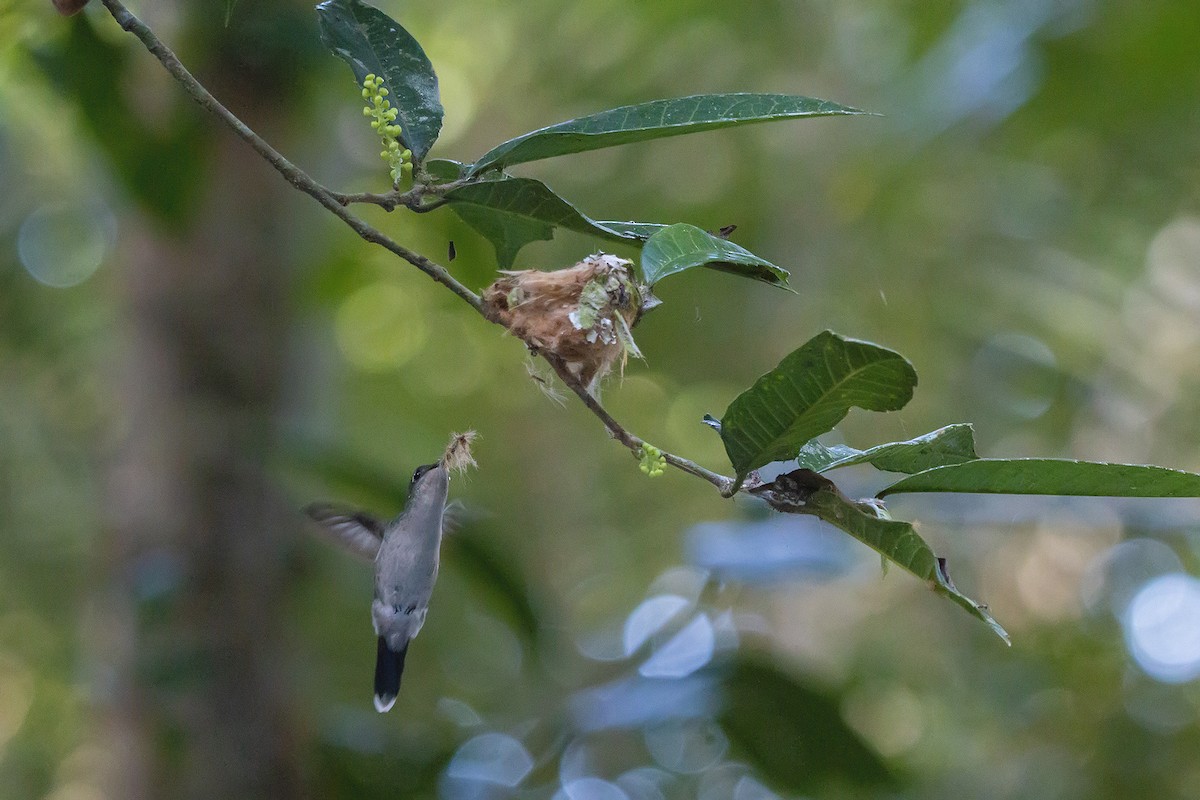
[(372, 42), (654, 120), (953, 444), (512, 212), (812, 390), (793, 732), (444, 170), (638, 231), (679, 247), (1051, 476), (899, 542)]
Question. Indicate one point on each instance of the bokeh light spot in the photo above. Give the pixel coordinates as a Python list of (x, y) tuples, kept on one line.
[(650, 617), (379, 327), (491, 758), (61, 245), (16, 696), (1113, 579), (1162, 628), (686, 746), (684, 653), (590, 789), (1017, 373)]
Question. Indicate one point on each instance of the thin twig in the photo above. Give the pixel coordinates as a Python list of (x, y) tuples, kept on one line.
[(336, 203), (387, 201), (291, 173), (633, 442)]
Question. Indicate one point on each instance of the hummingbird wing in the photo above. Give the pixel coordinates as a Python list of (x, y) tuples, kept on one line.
[(359, 533)]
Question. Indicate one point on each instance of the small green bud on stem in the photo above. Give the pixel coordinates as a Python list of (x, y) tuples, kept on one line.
[(653, 463)]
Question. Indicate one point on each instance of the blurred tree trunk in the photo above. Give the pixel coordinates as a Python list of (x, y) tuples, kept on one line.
[(194, 677)]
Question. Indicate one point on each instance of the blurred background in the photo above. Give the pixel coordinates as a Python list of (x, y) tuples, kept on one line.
[(190, 351)]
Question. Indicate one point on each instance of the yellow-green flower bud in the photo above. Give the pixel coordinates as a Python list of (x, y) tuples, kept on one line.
[(652, 461), (397, 157)]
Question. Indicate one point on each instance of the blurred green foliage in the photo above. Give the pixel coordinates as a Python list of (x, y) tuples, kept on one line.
[(1023, 224)]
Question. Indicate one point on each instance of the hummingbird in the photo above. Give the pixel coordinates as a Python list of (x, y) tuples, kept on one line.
[(405, 552)]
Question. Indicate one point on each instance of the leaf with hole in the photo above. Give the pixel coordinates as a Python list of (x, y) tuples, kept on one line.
[(654, 120), (953, 444), (676, 248), (1055, 476), (811, 391), (371, 42)]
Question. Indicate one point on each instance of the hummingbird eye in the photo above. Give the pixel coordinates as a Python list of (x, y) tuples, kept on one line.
[(421, 471)]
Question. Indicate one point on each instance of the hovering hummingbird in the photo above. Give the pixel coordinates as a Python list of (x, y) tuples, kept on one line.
[(406, 553)]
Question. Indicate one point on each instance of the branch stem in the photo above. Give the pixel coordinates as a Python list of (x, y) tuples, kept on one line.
[(723, 484), (336, 203), (290, 172)]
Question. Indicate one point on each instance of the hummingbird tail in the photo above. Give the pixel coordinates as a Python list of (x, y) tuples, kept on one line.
[(389, 665)]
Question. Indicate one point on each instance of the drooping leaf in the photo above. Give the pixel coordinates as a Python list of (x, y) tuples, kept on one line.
[(372, 42), (678, 247), (804, 491), (512, 212), (793, 732), (812, 390), (953, 444), (1051, 476), (654, 120), (899, 542)]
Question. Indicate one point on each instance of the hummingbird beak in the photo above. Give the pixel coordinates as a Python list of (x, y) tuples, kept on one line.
[(429, 488)]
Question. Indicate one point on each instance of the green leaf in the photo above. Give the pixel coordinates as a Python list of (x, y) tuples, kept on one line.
[(1051, 476), (512, 212), (654, 120), (794, 733), (953, 444), (444, 170), (898, 541), (372, 42), (639, 231), (812, 390), (678, 247)]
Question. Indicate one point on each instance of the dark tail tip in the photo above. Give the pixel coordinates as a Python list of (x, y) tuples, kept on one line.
[(389, 666)]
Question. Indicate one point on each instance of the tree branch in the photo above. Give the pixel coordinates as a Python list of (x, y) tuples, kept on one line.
[(336, 203), (291, 173), (634, 443)]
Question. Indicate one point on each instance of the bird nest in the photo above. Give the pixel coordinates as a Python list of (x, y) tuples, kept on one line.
[(584, 314)]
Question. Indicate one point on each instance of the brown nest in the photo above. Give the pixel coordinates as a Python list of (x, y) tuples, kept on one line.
[(583, 314)]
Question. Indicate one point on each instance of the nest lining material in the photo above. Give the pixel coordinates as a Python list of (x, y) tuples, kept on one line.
[(583, 314)]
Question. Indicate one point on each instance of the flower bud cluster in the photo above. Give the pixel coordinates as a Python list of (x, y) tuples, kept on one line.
[(383, 118), (653, 462)]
